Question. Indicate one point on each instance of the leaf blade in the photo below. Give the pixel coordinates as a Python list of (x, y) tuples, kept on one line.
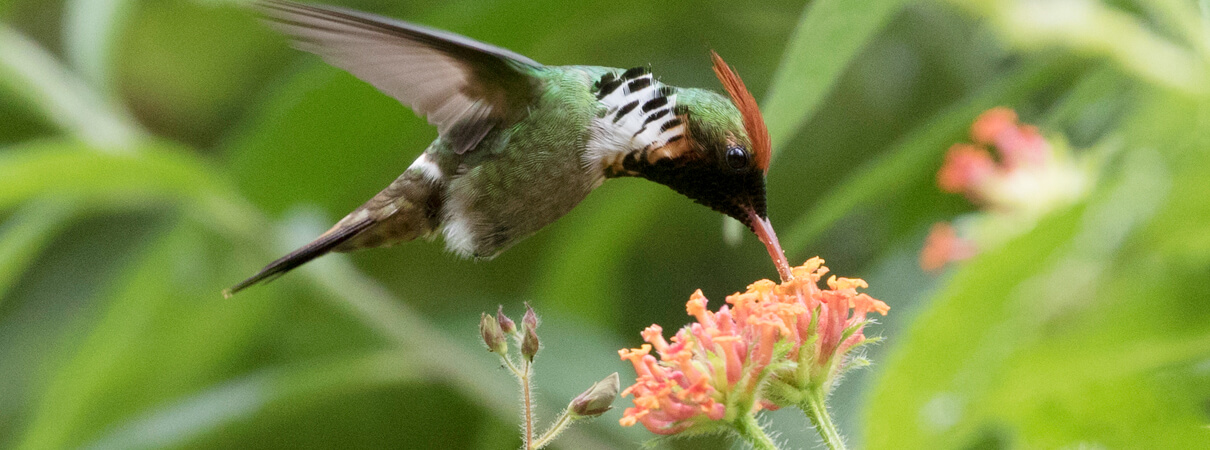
[(829, 35)]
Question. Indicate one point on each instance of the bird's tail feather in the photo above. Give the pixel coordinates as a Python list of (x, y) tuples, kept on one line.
[(320, 246)]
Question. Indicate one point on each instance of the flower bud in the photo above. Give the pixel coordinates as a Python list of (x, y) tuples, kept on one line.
[(529, 343), (597, 399), (493, 336), (530, 319), (506, 324), (529, 333)]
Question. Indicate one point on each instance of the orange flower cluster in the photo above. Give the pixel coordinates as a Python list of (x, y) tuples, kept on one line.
[(969, 168), (1027, 178), (714, 368)]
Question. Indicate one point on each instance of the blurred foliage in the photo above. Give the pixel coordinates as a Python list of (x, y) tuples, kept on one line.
[(152, 153)]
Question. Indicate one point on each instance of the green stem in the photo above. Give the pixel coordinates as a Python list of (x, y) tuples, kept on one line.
[(751, 431), (511, 367), (817, 410), (549, 435)]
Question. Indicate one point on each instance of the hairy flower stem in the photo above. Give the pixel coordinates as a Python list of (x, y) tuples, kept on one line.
[(815, 408), (564, 420), (523, 375), (751, 431)]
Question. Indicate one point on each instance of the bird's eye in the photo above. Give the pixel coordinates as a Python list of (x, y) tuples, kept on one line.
[(738, 158)]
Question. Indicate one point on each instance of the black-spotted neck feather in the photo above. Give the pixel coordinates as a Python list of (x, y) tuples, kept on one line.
[(641, 115)]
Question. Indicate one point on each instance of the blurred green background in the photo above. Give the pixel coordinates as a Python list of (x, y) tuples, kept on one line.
[(155, 152)]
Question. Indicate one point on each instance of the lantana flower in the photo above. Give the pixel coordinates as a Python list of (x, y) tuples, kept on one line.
[(1026, 177), (772, 346)]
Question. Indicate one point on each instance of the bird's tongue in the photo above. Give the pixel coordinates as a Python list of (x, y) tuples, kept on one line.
[(764, 231)]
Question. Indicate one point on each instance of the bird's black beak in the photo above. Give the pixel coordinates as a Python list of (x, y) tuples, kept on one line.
[(764, 231)]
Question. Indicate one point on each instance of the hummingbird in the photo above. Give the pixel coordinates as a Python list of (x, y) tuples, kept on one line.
[(521, 143)]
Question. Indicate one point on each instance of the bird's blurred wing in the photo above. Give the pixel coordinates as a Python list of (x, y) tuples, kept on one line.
[(464, 87)]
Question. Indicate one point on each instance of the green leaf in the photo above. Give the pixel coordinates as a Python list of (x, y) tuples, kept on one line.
[(91, 27), (1103, 30), (165, 174), (829, 35), (71, 169), (26, 233), (29, 72)]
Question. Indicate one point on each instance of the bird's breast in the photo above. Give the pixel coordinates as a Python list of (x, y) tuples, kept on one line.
[(525, 176)]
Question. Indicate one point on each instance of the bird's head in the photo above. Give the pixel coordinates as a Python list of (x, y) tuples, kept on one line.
[(722, 159)]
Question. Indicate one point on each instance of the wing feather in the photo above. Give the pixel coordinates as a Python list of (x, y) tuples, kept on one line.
[(463, 87)]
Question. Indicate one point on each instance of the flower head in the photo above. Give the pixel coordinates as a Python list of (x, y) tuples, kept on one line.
[(1026, 172), (1024, 179), (718, 367)]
